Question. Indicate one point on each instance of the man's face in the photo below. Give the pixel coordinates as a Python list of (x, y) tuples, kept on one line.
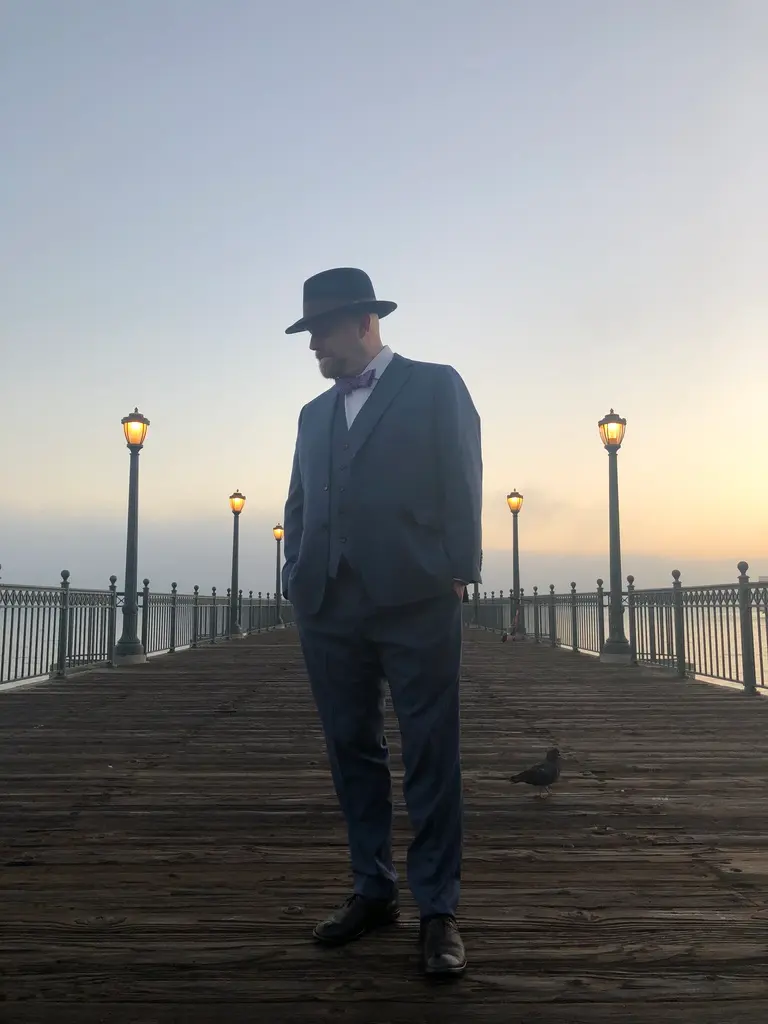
[(337, 341)]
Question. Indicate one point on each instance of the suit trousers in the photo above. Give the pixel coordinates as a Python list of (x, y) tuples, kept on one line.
[(350, 648)]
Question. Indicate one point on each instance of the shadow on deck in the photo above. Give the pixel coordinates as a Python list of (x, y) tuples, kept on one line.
[(169, 835)]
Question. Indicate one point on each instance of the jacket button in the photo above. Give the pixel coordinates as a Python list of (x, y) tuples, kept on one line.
[(346, 447), (343, 540), (326, 487)]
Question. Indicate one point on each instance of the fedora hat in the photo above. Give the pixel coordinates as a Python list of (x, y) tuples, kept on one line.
[(343, 289)]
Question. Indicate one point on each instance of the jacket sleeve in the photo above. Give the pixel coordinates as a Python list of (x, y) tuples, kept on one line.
[(461, 475), (294, 516)]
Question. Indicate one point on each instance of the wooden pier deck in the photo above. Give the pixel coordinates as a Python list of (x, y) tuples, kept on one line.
[(169, 835)]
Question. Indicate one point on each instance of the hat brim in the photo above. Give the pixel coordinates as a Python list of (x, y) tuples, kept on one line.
[(380, 307)]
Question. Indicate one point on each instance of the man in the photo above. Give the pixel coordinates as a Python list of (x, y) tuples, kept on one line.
[(382, 534)]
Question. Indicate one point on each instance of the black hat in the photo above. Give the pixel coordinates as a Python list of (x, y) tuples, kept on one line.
[(336, 291)]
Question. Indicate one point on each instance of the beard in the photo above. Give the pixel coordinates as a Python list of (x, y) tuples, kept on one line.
[(334, 366), (331, 367)]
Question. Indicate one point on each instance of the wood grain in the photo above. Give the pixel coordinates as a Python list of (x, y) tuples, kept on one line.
[(169, 835)]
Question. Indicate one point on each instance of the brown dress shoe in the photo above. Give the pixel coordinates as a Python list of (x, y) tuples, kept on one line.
[(442, 950), (356, 916)]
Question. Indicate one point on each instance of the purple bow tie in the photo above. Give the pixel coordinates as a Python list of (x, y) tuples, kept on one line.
[(346, 385)]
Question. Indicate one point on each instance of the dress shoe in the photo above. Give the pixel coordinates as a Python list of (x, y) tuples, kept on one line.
[(442, 950), (356, 916)]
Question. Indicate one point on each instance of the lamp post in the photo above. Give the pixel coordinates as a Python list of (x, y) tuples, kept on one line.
[(278, 533), (616, 649), (515, 502), (236, 503), (129, 649)]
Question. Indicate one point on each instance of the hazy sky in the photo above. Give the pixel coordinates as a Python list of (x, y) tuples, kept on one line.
[(566, 198)]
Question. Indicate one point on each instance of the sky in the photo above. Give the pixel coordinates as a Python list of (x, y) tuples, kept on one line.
[(565, 198)]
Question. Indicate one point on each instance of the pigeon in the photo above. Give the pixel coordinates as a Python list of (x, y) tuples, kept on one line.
[(542, 775), (504, 637)]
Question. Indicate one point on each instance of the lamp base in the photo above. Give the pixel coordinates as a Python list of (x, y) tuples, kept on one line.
[(616, 652), (123, 660)]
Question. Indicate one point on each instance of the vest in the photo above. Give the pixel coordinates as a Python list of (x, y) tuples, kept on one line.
[(338, 485)]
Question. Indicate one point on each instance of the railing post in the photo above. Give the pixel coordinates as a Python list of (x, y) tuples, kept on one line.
[(258, 614), (240, 607), (552, 616), (632, 616), (61, 659), (600, 615), (677, 604), (521, 630), (195, 615), (112, 628), (511, 611), (574, 620), (651, 607), (213, 615), (228, 622), (145, 615), (250, 611), (747, 631), (174, 604), (536, 623)]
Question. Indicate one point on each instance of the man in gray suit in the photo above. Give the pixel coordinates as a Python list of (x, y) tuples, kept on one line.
[(382, 535)]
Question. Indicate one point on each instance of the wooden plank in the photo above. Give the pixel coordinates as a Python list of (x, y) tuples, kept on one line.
[(169, 835)]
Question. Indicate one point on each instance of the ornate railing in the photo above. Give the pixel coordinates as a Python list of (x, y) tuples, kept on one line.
[(53, 631), (718, 632)]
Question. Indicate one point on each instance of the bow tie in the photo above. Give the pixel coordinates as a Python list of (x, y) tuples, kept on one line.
[(346, 385)]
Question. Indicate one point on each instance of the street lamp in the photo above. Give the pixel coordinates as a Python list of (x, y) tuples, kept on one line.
[(616, 649), (515, 502), (236, 503), (278, 533), (129, 649)]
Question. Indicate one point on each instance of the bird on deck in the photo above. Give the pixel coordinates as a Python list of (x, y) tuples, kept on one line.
[(542, 775), (504, 637)]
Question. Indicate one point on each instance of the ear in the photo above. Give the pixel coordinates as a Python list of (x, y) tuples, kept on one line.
[(364, 324)]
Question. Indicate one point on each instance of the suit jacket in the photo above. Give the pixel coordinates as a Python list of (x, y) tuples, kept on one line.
[(414, 492)]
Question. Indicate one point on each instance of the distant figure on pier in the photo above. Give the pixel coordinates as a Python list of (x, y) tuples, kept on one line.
[(382, 535)]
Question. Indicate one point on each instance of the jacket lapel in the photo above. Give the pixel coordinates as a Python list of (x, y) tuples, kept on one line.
[(393, 378), (319, 428)]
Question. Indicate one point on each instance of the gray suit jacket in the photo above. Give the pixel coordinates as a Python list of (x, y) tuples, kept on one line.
[(415, 490)]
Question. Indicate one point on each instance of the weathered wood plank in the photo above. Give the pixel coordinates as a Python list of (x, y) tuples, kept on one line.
[(169, 835)]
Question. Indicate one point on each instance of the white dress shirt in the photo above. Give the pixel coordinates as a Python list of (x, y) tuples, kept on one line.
[(355, 400)]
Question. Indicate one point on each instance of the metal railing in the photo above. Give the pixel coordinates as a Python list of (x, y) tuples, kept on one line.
[(53, 631), (719, 631)]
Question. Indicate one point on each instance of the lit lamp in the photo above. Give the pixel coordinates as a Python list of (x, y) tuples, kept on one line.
[(612, 428), (278, 533), (616, 649), (236, 503), (515, 502), (129, 650), (135, 429)]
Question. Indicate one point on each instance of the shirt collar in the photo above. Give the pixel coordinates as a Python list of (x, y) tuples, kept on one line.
[(380, 361)]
